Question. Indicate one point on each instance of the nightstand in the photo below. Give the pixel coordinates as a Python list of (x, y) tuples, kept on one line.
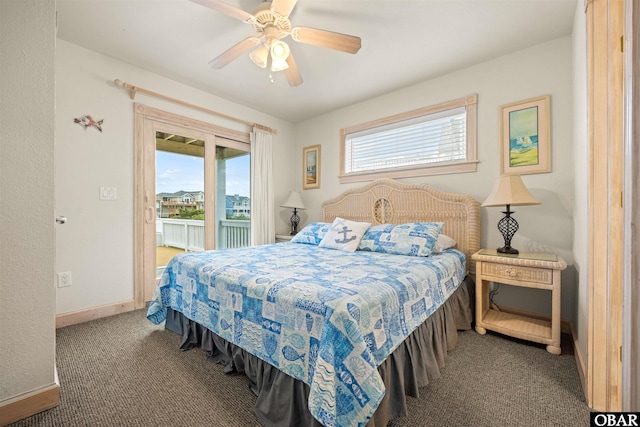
[(283, 238), (528, 270)]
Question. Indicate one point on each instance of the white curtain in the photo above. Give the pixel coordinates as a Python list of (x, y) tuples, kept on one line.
[(262, 207)]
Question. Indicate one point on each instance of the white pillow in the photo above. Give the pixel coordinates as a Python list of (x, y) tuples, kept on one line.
[(443, 242), (344, 235)]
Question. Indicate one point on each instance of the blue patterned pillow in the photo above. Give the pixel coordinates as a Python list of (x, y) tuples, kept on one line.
[(413, 239), (312, 234)]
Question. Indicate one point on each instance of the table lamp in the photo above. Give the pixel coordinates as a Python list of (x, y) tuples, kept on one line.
[(294, 201), (509, 190)]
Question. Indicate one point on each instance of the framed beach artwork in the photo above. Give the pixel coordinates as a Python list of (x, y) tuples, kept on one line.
[(525, 137), (311, 167)]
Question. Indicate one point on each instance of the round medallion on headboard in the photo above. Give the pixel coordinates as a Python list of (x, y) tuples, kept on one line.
[(382, 211)]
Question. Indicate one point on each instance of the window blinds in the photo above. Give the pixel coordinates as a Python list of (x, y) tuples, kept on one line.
[(421, 141)]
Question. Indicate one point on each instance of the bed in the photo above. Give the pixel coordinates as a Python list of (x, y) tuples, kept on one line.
[(327, 336)]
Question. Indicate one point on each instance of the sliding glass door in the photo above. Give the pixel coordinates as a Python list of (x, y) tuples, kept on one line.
[(233, 205), (180, 196), (192, 192)]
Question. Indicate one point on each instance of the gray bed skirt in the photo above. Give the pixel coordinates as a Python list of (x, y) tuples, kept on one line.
[(282, 400)]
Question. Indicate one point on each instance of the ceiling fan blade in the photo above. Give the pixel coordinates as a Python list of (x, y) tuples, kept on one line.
[(283, 7), (329, 39), (232, 53), (227, 9), (293, 75)]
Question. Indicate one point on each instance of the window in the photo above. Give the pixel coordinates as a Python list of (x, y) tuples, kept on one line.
[(433, 140)]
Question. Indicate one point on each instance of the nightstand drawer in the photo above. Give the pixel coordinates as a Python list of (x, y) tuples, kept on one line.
[(514, 272)]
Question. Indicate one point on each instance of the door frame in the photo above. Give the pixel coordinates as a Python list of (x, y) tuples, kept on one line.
[(148, 120), (604, 19), (631, 293)]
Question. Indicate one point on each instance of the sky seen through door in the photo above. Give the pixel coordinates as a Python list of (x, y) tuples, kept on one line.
[(176, 172)]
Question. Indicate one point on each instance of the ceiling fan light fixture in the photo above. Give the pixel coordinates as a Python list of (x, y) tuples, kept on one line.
[(271, 23), (260, 56), (279, 55), (279, 65)]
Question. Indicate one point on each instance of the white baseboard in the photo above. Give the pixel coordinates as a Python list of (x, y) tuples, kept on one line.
[(81, 316)]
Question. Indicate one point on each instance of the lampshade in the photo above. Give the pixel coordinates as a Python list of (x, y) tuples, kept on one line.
[(260, 55), (510, 190), (279, 55), (293, 201)]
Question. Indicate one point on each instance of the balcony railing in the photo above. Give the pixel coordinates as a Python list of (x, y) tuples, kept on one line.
[(182, 203), (234, 233), (188, 234)]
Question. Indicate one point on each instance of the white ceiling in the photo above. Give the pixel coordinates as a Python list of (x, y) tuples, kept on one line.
[(403, 43)]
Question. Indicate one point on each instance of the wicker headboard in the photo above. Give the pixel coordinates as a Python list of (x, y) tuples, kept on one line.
[(388, 201)]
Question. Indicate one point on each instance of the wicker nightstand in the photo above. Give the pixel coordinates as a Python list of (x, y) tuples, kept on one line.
[(529, 270)]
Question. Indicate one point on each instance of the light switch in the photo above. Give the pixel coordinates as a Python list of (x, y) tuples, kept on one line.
[(108, 193)]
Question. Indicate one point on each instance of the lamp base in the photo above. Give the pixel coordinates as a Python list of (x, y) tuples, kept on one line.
[(295, 220), (508, 250), (508, 227)]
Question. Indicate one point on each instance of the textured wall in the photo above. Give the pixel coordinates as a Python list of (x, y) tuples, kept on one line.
[(27, 235), (581, 162), (539, 70), (96, 245)]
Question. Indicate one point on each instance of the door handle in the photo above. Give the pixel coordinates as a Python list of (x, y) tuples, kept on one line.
[(61, 219), (148, 215)]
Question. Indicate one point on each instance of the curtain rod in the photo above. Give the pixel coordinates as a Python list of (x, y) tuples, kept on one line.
[(134, 89)]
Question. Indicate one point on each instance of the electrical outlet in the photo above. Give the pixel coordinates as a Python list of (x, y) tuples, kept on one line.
[(64, 279)]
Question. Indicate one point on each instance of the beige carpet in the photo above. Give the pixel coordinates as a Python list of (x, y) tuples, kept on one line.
[(124, 371)]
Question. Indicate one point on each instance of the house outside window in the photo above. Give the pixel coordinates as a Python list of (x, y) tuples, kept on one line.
[(238, 206), (439, 139), (168, 205)]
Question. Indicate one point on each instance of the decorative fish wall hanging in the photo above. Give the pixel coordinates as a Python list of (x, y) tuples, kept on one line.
[(86, 121)]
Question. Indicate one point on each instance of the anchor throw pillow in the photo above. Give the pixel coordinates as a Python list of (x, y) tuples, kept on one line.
[(344, 235)]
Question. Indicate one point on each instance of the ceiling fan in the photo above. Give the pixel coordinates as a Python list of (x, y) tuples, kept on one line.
[(271, 23)]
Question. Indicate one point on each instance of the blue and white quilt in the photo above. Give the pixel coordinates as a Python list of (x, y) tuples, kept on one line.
[(322, 316)]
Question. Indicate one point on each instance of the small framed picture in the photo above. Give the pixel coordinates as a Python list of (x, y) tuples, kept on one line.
[(311, 167), (525, 137)]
